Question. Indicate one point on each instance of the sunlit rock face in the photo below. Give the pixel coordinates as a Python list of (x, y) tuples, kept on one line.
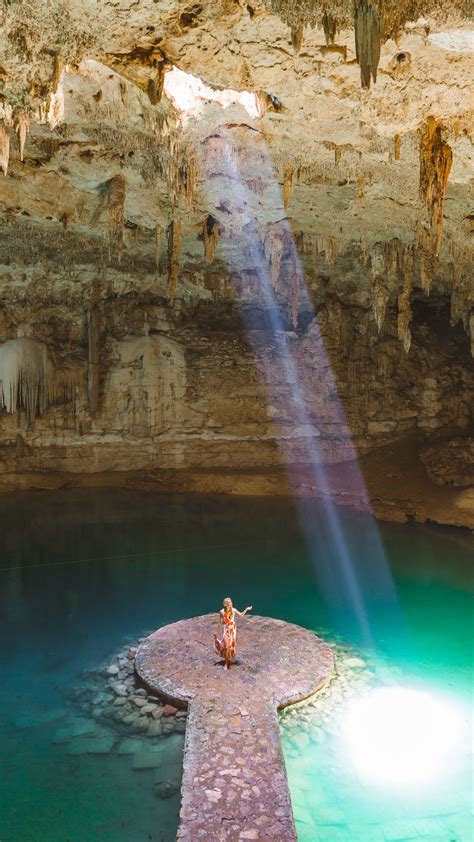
[(172, 174)]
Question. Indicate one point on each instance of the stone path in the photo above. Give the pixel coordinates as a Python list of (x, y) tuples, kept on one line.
[(234, 779)]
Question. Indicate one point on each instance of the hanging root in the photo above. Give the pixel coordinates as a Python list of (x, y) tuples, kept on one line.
[(436, 159)]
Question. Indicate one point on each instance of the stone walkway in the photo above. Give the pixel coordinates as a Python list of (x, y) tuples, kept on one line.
[(234, 779)]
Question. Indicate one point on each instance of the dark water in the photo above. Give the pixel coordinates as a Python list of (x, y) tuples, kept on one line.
[(82, 572)]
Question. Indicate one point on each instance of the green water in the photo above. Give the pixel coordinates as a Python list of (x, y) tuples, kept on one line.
[(84, 572)]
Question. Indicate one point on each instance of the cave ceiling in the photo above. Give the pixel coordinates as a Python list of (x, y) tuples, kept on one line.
[(327, 141)]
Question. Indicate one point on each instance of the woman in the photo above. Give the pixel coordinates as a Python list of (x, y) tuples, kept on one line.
[(226, 647)]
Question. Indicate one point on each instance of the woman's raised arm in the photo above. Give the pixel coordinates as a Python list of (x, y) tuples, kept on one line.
[(242, 613)]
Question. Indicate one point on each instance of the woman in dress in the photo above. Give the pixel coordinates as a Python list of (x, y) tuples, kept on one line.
[(226, 646)]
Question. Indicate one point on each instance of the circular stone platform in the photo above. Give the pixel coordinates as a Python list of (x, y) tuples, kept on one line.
[(234, 780)]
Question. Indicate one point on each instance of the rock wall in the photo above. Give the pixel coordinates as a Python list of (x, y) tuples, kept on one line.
[(206, 384)]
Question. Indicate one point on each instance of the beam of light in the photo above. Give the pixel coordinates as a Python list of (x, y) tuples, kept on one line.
[(344, 588), (402, 738), (334, 563)]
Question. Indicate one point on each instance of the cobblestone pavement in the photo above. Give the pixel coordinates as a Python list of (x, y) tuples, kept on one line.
[(234, 782)]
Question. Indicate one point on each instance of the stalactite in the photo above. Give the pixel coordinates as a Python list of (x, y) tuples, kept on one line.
[(425, 257), (380, 291), (405, 314), (24, 374), (396, 147), (393, 250), (461, 299), (190, 182), (93, 358), (274, 245), (367, 40), (426, 271), (21, 124), (330, 28), (381, 295), (155, 85), (210, 236), (30, 380), (4, 147), (58, 65), (53, 110), (287, 184), (436, 158), (174, 241), (67, 384), (330, 246), (361, 190), (116, 205), (297, 38)]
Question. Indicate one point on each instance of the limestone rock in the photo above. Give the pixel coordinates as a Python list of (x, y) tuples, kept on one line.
[(450, 462)]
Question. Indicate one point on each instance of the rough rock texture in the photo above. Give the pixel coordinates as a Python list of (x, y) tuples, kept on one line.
[(167, 245), (234, 781), (450, 463)]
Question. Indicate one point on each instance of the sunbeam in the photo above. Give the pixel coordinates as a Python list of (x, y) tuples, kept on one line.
[(342, 578)]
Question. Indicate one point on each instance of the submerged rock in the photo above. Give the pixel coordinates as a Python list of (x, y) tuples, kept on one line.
[(166, 789), (91, 745), (78, 727)]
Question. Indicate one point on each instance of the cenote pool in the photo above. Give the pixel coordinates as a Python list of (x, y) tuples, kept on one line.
[(84, 572)]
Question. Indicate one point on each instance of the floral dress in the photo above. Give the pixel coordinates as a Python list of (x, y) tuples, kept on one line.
[(228, 641)]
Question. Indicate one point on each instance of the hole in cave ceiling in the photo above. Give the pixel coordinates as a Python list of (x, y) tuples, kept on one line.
[(188, 94)]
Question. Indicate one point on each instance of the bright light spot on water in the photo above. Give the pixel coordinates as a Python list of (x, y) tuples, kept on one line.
[(188, 93), (401, 737)]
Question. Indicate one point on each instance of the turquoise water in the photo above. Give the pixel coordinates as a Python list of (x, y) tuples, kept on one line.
[(84, 572)]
